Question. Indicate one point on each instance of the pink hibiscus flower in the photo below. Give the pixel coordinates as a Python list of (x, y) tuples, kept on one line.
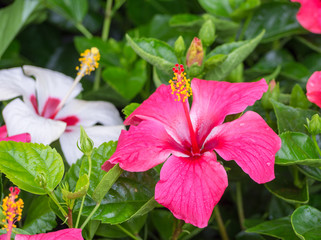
[(40, 114), (314, 88), (24, 137), (70, 234), (192, 181), (309, 15)]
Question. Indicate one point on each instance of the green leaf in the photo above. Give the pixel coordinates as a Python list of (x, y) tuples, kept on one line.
[(291, 119), (185, 20), (39, 218), (306, 222), (80, 190), (130, 108), (283, 187), (228, 8), (279, 228), (219, 8), (277, 18), (163, 221), (312, 172), (127, 83), (234, 58), (154, 51), (33, 167), (297, 148), (115, 231), (74, 10), (131, 195), (298, 98), (106, 183), (14, 17), (296, 71)]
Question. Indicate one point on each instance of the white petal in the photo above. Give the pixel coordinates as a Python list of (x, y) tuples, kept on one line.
[(91, 112), (20, 118), (14, 83), (51, 84), (99, 134)]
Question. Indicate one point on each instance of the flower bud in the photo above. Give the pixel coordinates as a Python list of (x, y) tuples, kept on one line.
[(179, 46), (272, 93), (207, 33), (195, 53), (86, 144), (314, 125)]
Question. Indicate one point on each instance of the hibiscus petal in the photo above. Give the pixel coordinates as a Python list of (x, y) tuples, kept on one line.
[(250, 142), (309, 15), (99, 135), (14, 83), (143, 147), (191, 187), (51, 85), (24, 137), (213, 101), (314, 88), (89, 113), (3, 132), (20, 119), (70, 234), (161, 106)]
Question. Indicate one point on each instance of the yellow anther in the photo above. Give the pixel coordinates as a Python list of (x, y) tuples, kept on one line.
[(88, 61)]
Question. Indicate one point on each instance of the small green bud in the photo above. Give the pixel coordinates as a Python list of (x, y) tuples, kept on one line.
[(179, 47), (314, 125), (41, 179), (195, 53), (272, 93), (207, 33), (86, 144)]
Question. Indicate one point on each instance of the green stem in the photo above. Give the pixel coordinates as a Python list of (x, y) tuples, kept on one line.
[(178, 229), (239, 203), (128, 233), (54, 198), (107, 21), (84, 30), (90, 215), (220, 224), (83, 198), (104, 37), (316, 144)]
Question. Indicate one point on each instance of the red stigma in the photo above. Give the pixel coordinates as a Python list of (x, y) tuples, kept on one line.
[(178, 68)]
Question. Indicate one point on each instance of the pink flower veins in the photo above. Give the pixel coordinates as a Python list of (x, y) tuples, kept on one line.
[(309, 15), (192, 181)]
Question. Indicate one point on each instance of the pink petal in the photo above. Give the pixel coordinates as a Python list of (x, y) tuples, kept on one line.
[(89, 113), (314, 88), (99, 135), (70, 234), (14, 83), (21, 119), (24, 137), (213, 101), (250, 142), (143, 147), (309, 15), (162, 107), (191, 187), (3, 132), (51, 84)]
